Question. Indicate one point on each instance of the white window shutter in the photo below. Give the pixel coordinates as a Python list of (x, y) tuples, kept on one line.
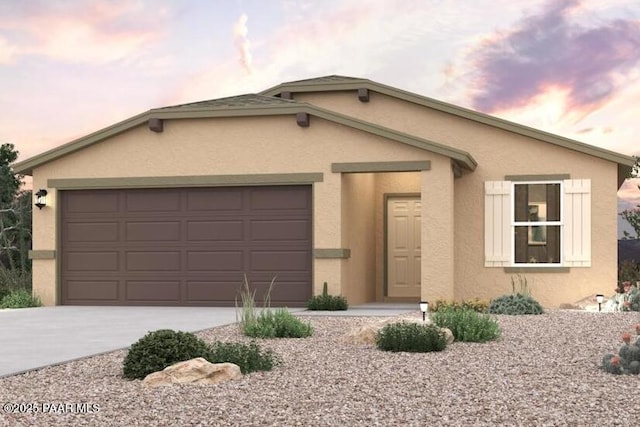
[(577, 223), (497, 223)]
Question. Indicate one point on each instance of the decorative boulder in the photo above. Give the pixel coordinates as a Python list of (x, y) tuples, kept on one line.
[(367, 334), (195, 371)]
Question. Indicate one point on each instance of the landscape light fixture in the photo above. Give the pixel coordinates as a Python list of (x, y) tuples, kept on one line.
[(424, 307), (599, 299), (41, 198)]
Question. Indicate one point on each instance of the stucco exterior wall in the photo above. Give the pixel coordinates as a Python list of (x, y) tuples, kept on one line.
[(500, 153), (223, 146), (358, 222)]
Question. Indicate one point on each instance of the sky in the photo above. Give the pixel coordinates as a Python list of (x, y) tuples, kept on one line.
[(569, 67)]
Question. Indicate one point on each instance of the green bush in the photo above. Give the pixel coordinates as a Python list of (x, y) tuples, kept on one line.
[(411, 337), (159, 349), (19, 298), (277, 324), (249, 357), (475, 304), (12, 280), (515, 304), (327, 302), (467, 325)]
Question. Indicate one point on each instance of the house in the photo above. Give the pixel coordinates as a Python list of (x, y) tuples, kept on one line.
[(385, 195)]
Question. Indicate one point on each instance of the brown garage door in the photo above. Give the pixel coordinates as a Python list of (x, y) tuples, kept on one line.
[(185, 246)]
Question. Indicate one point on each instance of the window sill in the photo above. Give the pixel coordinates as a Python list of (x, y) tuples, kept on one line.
[(529, 269)]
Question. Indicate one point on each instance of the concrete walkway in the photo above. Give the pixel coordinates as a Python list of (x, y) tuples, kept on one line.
[(32, 338)]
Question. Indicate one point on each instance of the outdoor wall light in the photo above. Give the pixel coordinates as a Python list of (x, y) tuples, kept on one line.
[(424, 307), (599, 299), (41, 198)]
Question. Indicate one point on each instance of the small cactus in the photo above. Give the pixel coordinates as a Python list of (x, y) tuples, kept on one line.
[(611, 364), (634, 367), (638, 329), (633, 353), (627, 361), (624, 351)]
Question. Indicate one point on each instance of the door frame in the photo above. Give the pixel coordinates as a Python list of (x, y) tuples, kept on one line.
[(385, 289)]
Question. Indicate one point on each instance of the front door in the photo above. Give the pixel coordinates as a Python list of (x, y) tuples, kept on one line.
[(403, 247)]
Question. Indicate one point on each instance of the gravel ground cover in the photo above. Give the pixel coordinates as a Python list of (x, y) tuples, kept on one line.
[(543, 371)]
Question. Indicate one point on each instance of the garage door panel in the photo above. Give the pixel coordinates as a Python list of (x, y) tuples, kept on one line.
[(280, 261), (93, 232), (153, 261), (152, 201), (227, 199), (270, 230), (284, 290), (85, 202), (140, 290), (222, 261), (152, 231), (280, 198), (215, 231), (91, 290), (91, 261), (185, 246), (219, 291)]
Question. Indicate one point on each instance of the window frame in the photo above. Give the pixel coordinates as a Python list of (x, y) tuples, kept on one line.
[(514, 224)]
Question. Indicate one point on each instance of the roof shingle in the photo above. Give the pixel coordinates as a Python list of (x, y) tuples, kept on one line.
[(240, 101)]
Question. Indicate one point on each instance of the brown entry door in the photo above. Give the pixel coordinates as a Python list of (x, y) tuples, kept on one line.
[(185, 246)]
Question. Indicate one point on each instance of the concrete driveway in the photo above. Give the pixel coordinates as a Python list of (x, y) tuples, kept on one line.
[(36, 337), (33, 338)]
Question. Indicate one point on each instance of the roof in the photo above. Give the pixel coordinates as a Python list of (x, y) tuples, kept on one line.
[(341, 83), (243, 106), (240, 101)]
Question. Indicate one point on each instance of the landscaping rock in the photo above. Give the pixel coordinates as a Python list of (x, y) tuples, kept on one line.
[(195, 371), (367, 334)]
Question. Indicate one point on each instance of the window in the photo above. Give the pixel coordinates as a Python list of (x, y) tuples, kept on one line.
[(538, 223)]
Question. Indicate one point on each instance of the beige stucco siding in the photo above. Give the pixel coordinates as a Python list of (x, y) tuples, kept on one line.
[(500, 153), (224, 146), (358, 221)]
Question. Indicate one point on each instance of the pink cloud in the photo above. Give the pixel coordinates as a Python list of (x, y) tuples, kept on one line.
[(547, 50), (87, 32), (7, 51), (242, 43), (629, 194)]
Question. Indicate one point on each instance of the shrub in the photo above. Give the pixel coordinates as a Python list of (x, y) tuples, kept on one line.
[(268, 324), (159, 349), (327, 302), (515, 304), (411, 337), (13, 279), (475, 304), (467, 325), (249, 357), (246, 315), (20, 298), (627, 361), (629, 271), (277, 324)]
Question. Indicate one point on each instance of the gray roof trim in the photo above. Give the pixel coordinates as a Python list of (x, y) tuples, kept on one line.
[(185, 181), (462, 158), (321, 85)]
